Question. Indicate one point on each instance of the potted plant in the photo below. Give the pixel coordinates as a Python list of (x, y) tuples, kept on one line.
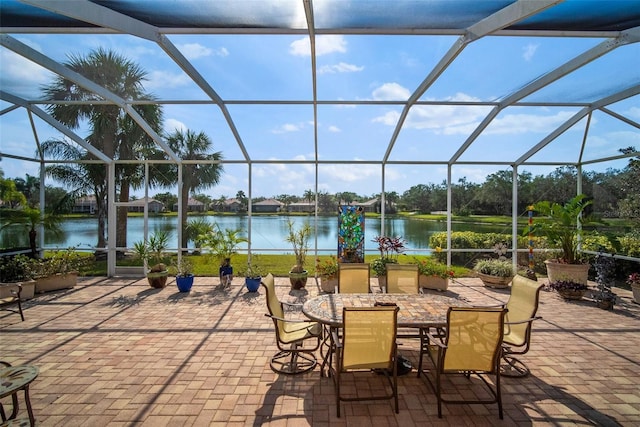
[(327, 269), (390, 248), (569, 289), (182, 268), (223, 244), (154, 250), (16, 270), (58, 270), (494, 273), (433, 275), (299, 239), (605, 266), (634, 281), (562, 226), (253, 274)]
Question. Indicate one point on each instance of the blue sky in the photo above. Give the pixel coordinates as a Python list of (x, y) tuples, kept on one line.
[(352, 68)]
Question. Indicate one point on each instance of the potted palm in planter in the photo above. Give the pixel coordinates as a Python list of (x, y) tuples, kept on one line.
[(223, 244), (494, 273), (390, 248), (183, 270), (562, 226), (299, 239), (327, 269), (154, 250)]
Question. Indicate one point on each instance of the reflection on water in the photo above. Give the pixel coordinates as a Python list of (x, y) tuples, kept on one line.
[(267, 232)]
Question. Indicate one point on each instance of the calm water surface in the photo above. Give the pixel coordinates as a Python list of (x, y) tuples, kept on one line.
[(267, 232)]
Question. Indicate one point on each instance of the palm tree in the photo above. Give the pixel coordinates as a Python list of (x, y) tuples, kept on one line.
[(82, 177), (29, 219), (189, 145), (112, 130)]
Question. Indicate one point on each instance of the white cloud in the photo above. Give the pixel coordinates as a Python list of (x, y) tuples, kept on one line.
[(341, 67), (391, 92), (324, 45), (511, 124), (171, 125), (194, 50), (447, 120), (334, 129), (634, 112), (528, 51), (164, 79), (22, 77), (288, 127)]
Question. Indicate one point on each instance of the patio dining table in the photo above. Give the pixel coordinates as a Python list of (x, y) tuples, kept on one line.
[(416, 310), (419, 311)]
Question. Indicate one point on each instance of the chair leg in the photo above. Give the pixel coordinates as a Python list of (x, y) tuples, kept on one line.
[(513, 368), (20, 309), (293, 361)]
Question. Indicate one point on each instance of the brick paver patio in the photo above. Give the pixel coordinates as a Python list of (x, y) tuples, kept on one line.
[(116, 352)]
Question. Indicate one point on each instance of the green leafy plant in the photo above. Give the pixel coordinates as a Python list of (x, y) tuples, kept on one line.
[(15, 269), (562, 225), (154, 249), (567, 285), (222, 243), (429, 267), (327, 267), (494, 267), (60, 262), (299, 239), (182, 267), (390, 248), (253, 270)]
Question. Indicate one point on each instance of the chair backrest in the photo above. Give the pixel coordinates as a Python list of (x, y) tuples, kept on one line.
[(369, 337), (474, 339), (402, 279), (273, 303), (522, 305), (353, 278)]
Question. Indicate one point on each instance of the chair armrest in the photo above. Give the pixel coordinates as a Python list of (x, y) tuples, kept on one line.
[(503, 305), (523, 321), (432, 339), (6, 364), (290, 320)]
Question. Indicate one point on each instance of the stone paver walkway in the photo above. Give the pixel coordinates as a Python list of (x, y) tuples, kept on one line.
[(116, 352)]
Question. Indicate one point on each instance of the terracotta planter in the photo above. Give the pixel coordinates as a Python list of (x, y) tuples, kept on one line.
[(328, 283), (496, 282), (557, 271), (572, 294), (298, 280), (158, 280), (56, 282), (433, 282), (28, 289), (635, 288)]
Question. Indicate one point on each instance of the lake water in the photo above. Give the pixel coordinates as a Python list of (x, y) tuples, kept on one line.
[(267, 232)]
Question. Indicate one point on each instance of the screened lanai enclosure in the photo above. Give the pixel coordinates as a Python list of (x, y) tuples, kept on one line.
[(369, 97)]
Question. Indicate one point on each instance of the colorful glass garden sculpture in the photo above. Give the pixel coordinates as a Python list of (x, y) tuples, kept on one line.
[(351, 234)]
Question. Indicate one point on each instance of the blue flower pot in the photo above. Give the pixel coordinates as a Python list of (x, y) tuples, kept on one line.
[(252, 283), (184, 283)]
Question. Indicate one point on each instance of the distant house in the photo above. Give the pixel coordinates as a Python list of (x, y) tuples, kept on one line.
[(301, 207), (233, 205), (155, 206), (269, 205), (372, 205), (193, 205), (85, 205)]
